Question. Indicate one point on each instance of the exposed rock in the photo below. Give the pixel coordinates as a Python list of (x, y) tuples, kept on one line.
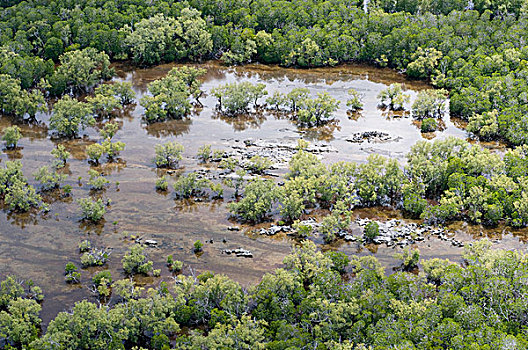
[(233, 228), (151, 242), (239, 252), (372, 137)]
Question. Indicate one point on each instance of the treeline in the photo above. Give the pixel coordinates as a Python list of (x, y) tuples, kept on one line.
[(317, 301)]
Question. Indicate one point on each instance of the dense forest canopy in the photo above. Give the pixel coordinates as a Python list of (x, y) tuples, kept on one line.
[(473, 51)]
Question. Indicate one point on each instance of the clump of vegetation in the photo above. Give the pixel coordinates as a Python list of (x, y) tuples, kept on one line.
[(430, 104), (94, 256), (102, 281), (71, 116), (92, 210), (97, 181), (174, 265), (393, 97), (49, 178), (17, 194), (485, 125), (61, 156), (95, 151), (409, 258), (259, 197), (71, 274), (317, 111), (429, 125), (204, 153), (190, 185), (354, 103), (371, 231), (168, 155), (85, 246), (340, 261), (235, 98), (258, 164), (135, 261), (17, 101), (198, 246), (162, 184), (11, 135), (79, 71), (169, 96)]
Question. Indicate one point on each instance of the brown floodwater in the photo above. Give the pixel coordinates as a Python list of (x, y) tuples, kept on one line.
[(37, 246)]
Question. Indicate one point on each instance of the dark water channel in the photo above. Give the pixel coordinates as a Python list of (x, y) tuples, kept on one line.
[(38, 246)]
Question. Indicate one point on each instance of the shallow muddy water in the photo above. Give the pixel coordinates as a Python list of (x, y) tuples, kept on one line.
[(38, 246)]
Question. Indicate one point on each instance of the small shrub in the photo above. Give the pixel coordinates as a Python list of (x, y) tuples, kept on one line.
[(429, 125), (303, 230), (371, 231), (168, 155), (259, 197), (190, 185), (97, 181), (258, 164), (72, 275), (112, 149), (393, 97), (94, 257), (135, 261), (99, 276), (174, 265), (228, 163), (354, 103), (21, 196), (95, 152), (409, 258), (198, 246), (85, 246), (61, 155), (204, 153), (49, 178), (162, 183), (92, 210), (339, 259), (318, 111), (11, 136)]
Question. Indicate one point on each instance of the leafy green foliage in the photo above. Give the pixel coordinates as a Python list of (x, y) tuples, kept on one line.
[(97, 181), (135, 261), (190, 185), (258, 164), (409, 258), (49, 178), (168, 154), (429, 125), (317, 111), (162, 183), (70, 116), (80, 71), (259, 196), (235, 98), (371, 231), (430, 104), (17, 101), (71, 274), (393, 97), (354, 103), (198, 246), (11, 135), (92, 210), (169, 96), (424, 62), (61, 155)]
